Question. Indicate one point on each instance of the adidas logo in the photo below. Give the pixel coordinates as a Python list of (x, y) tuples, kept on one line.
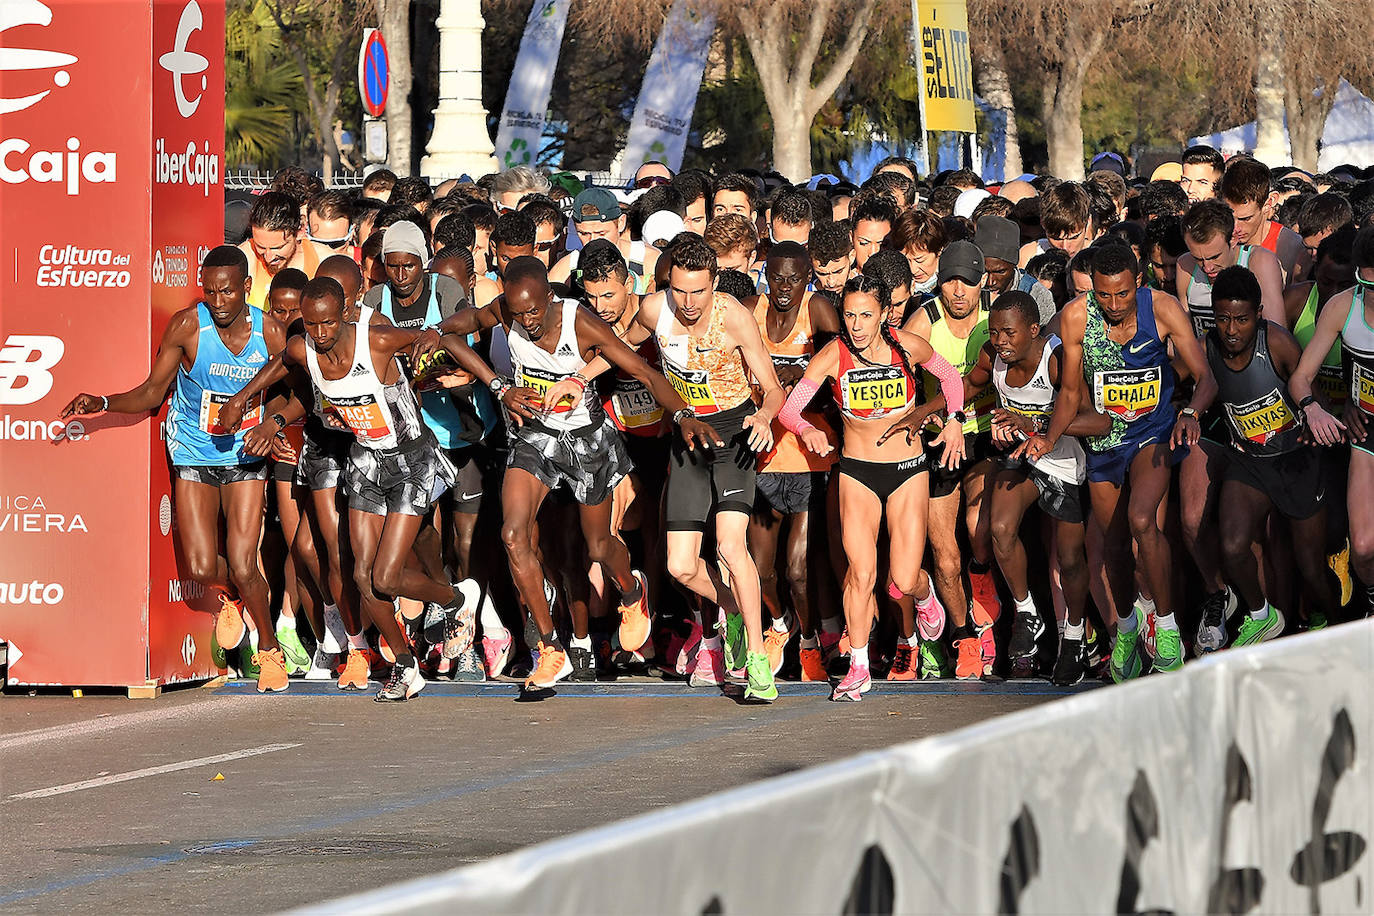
[(564, 350), (359, 369), (256, 357), (1039, 383)]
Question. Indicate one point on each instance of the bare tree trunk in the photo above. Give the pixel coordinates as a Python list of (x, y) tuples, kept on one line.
[(995, 87), (1061, 104), (394, 19), (1270, 146), (1307, 113)]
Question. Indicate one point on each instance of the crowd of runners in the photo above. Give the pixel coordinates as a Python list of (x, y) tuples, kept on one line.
[(730, 427)]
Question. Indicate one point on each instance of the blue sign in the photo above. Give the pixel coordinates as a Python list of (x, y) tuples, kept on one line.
[(374, 73)]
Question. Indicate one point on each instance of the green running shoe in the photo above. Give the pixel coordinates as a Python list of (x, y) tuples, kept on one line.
[(932, 665), (1126, 663), (1168, 650), (735, 649), (1254, 631), (760, 673), (1316, 621), (297, 659), (247, 667), (217, 656)]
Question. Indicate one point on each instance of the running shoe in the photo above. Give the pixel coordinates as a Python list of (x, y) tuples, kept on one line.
[(812, 667), (774, 643), (1168, 649), (709, 668), (553, 667), (335, 635), (931, 662), (683, 654), (496, 652), (403, 684), (855, 684), (230, 628), (583, 664), (734, 647), (968, 664), (459, 627), (1340, 565), (467, 668), (1254, 631), (297, 659), (271, 671), (760, 673), (321, 665), (986, 605), (830, 646), (1316, 621), (1098, 662), (902, 668), (930, 622), (1216, 609), (634, 617), (356, 672), (217, 656), (987, 649), (1026, 631), (248, 661), (1072, 663), (1126, 661)]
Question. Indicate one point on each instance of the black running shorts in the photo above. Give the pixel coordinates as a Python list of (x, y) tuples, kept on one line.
[(719, 478)]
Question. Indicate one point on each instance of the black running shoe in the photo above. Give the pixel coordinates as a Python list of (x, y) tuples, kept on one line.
[(1026, 631), (1072, 663), (583, 664)]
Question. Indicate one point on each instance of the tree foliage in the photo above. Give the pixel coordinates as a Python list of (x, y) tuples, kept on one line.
[(262, 88)]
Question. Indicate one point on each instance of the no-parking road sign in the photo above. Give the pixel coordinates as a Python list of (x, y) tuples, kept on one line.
[(374, 73)]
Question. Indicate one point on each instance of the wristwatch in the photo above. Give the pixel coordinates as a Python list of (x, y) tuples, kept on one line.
[(280, 421), (683, 414), (499, 386), (959, 416), (1305, 402), (1188, 412)]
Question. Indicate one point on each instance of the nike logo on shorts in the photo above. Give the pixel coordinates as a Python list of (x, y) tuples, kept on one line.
[(729, 493), (467, 496)]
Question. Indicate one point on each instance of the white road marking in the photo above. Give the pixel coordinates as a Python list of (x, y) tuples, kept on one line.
[(102, 724), (152, 771)]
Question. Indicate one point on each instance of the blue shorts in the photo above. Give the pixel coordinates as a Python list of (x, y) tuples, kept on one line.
[(1112, 464)]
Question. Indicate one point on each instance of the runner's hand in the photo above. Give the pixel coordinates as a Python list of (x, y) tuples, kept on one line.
[(82, 405), (1187, 430), (1006, 424), (909, 426), (694, 432), (568, 389), (1033, 449), (1326, 429), (231, 414), (332, 420), (760, 433), (788, 376), (283, 451), (425, 345), (1356, 426), (816, 442), (523, 403), (952, 438), (258, 440)]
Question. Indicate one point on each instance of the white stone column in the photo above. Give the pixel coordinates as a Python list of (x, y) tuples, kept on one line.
[(459, 144)]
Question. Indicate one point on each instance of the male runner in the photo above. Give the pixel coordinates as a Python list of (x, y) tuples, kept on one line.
[(832, 258), (597, 214), (1202, 169), (208, 352), (513, 238), (1245, 188), (1270, 467), (274, 241), (999, 240), (1115, 340)]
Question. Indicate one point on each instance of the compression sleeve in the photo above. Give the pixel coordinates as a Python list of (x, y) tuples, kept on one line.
[(791, 414), (951, 385)]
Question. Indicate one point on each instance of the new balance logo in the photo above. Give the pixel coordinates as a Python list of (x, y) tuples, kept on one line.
[(24, 364), (358, 370)]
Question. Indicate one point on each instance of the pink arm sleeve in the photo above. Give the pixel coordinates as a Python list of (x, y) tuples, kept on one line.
[(951, 385), (791, 414)]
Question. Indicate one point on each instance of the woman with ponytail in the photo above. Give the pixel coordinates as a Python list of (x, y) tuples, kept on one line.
[(875, 385)]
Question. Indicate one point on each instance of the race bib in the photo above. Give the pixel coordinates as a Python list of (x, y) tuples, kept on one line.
[(876, 389), (1039, 414), (634, 404), (1128, 394), (212, 401), (541, 380), (1202, 324), (1330, 382), (693, 386), (785, 362), (1262, 419), (361, 414), (1362, 387)]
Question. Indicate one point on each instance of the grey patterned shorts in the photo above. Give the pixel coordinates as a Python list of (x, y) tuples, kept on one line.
[(401, 481), (322, 461), (590, 460), (219, 475)]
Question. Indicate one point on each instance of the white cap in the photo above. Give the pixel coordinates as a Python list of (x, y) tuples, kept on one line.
[(662, 224), (965, 202)]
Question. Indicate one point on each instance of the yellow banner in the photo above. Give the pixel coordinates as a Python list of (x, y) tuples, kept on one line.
[(941, 36)]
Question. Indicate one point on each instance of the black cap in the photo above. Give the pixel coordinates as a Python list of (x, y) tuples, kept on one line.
[(998, 237), (961, 259)]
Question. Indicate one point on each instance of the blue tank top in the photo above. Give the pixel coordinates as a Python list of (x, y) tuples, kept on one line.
[(440, 414), (1132, 382), (194, 436)]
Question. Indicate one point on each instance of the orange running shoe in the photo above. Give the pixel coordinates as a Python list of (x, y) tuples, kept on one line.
[(230, 628), (355, 673), (812, 665), (553, 667), (634, 618), (774, 643), (969, 665), (986, 606), (271, 670), (903, 668)]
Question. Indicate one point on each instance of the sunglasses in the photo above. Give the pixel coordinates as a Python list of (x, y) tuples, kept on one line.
[(332, 243), (650, 181)]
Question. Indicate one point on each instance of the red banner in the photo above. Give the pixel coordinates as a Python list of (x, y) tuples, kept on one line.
[(89, 118)]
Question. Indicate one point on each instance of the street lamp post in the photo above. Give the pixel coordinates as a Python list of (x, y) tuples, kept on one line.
[(459, 144)]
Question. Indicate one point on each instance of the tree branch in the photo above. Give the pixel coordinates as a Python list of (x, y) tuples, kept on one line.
[(767, 60), (811, 45), (839, 68)]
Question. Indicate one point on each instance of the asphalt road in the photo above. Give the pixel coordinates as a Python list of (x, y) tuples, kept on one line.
[(112, 805)]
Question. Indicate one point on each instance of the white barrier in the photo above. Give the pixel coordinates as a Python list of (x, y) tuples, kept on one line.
[(1242, 784)]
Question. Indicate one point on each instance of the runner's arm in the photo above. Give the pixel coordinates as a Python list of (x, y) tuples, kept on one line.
[(1175, 328), (745, 332), (1326, 429), (822, 366), (272, 372), (1270, 277), (1072, 320), (1088, 421), (181, 330)]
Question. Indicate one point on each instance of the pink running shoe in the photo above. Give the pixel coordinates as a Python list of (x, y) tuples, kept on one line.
[(684, 653), (855, 684), (709, 670), (930, 620), (496, 653), (988, 647)]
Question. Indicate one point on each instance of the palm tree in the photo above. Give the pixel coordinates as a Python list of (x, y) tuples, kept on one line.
[(263, 89)]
